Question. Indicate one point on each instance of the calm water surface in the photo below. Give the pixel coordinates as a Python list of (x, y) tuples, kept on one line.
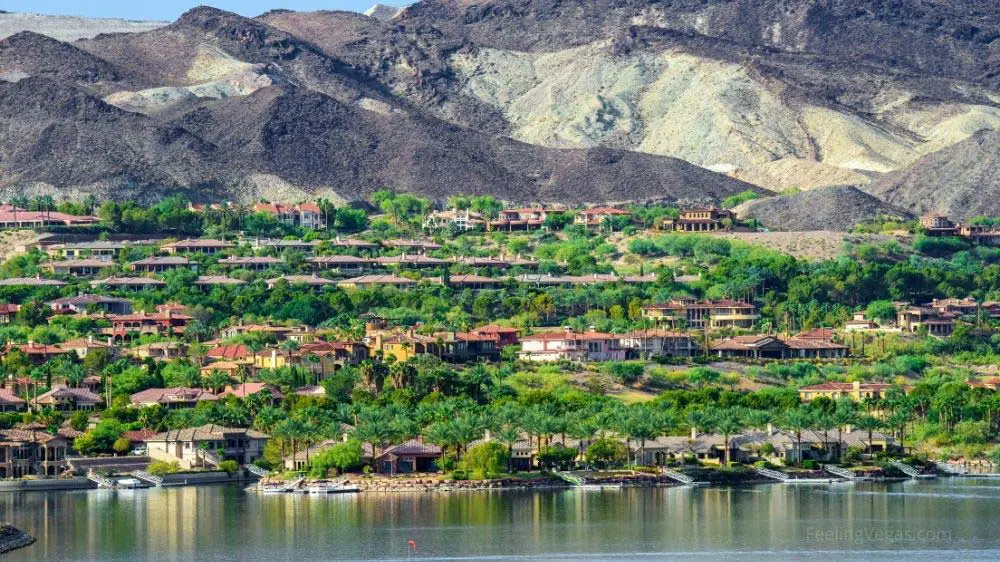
[(948, 519)]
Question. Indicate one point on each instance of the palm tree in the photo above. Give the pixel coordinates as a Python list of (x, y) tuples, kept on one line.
[(796, 421), (642, 424), (509, 435), (74, 374), (869, 424), (217, 380), (728, 422), (289, 347)]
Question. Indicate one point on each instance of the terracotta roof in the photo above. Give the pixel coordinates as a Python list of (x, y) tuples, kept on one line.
[(846, 386), (494, 329), (217, 280), (378, 280), (231, 351), (113, 281), (413, 447), (559, 335), (139, 435), (251, 388), (8, 398), (171, 395), (163, 260), (77, 395), (30, 282), (301, 280), (199, 243), (251, 260)]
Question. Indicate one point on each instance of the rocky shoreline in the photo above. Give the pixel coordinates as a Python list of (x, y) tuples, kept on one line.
[(12, 538), (431, 484)]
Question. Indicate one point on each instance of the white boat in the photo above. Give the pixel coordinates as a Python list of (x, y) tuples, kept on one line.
[(321, 488), (129, 483)]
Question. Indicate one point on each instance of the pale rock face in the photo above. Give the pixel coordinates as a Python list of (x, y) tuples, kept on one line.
[(711, 113), (215, 75)]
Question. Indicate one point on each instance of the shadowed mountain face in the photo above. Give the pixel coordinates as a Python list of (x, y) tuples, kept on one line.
[(223, 106), (576, 100)]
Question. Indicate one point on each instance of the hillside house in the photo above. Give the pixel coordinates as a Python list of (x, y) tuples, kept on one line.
[(700, 315), (171, 398), (700, 219), (595, 218), (772, 347), (569, 345), (161, 264), (205, 246)]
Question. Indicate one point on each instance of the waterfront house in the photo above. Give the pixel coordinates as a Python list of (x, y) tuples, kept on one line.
[(28, 452), (199, 246), (409, 457), (569, 345), (203, 447), (160, 264), (64, 399), (171, 398), (699, 315)]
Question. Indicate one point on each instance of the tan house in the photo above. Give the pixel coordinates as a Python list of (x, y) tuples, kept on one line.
[(206, 446), (773, 347), (658, 343), (199, 246), (700, 219), (856, 391), (27, 452), (171, 398), (594, 218), (699, 315), (64, 399), (913, 319)]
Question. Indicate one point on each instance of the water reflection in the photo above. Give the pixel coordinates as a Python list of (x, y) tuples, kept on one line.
[(223, 522)]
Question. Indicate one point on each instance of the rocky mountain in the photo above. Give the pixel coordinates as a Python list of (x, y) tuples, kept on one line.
[(961, 181), (223, 106), (827, 208), (509, 96)]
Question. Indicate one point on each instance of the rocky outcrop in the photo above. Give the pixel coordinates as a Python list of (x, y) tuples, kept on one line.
[(961, 181), (12, 538), (828, 208)]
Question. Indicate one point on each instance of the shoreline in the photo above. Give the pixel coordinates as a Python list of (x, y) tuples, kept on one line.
[(12, 538)]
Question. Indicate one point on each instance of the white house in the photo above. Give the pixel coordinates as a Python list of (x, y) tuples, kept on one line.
[(568, 345)]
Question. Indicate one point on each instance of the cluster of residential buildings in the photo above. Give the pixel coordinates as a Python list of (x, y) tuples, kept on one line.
[(936, 224)]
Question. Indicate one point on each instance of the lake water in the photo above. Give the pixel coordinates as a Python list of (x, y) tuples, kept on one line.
[(947, 519)]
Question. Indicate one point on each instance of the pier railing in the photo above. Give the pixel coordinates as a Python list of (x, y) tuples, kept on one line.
[(773, 474), (840, 471), (256, 470), (101, 481), (906, 469), (147, 477), (676, 475)]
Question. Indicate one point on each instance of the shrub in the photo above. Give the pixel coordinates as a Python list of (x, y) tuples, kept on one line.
[(229, 466), (486, 459), (342, 457), (122, 445), (606, 452), (459, 474), (557, 456), (626, 372), (810, 465), (163, 468)]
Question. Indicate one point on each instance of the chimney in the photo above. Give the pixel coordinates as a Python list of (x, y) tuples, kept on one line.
[(487, 435), (694, 432), (770, 429), (90, 338), (857, 386)]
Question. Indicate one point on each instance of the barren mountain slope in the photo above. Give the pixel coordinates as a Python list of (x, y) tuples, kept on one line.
[(747, 87), (961, 181), (828, 208)]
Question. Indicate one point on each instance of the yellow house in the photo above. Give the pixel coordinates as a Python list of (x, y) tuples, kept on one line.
[(856, 391)]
